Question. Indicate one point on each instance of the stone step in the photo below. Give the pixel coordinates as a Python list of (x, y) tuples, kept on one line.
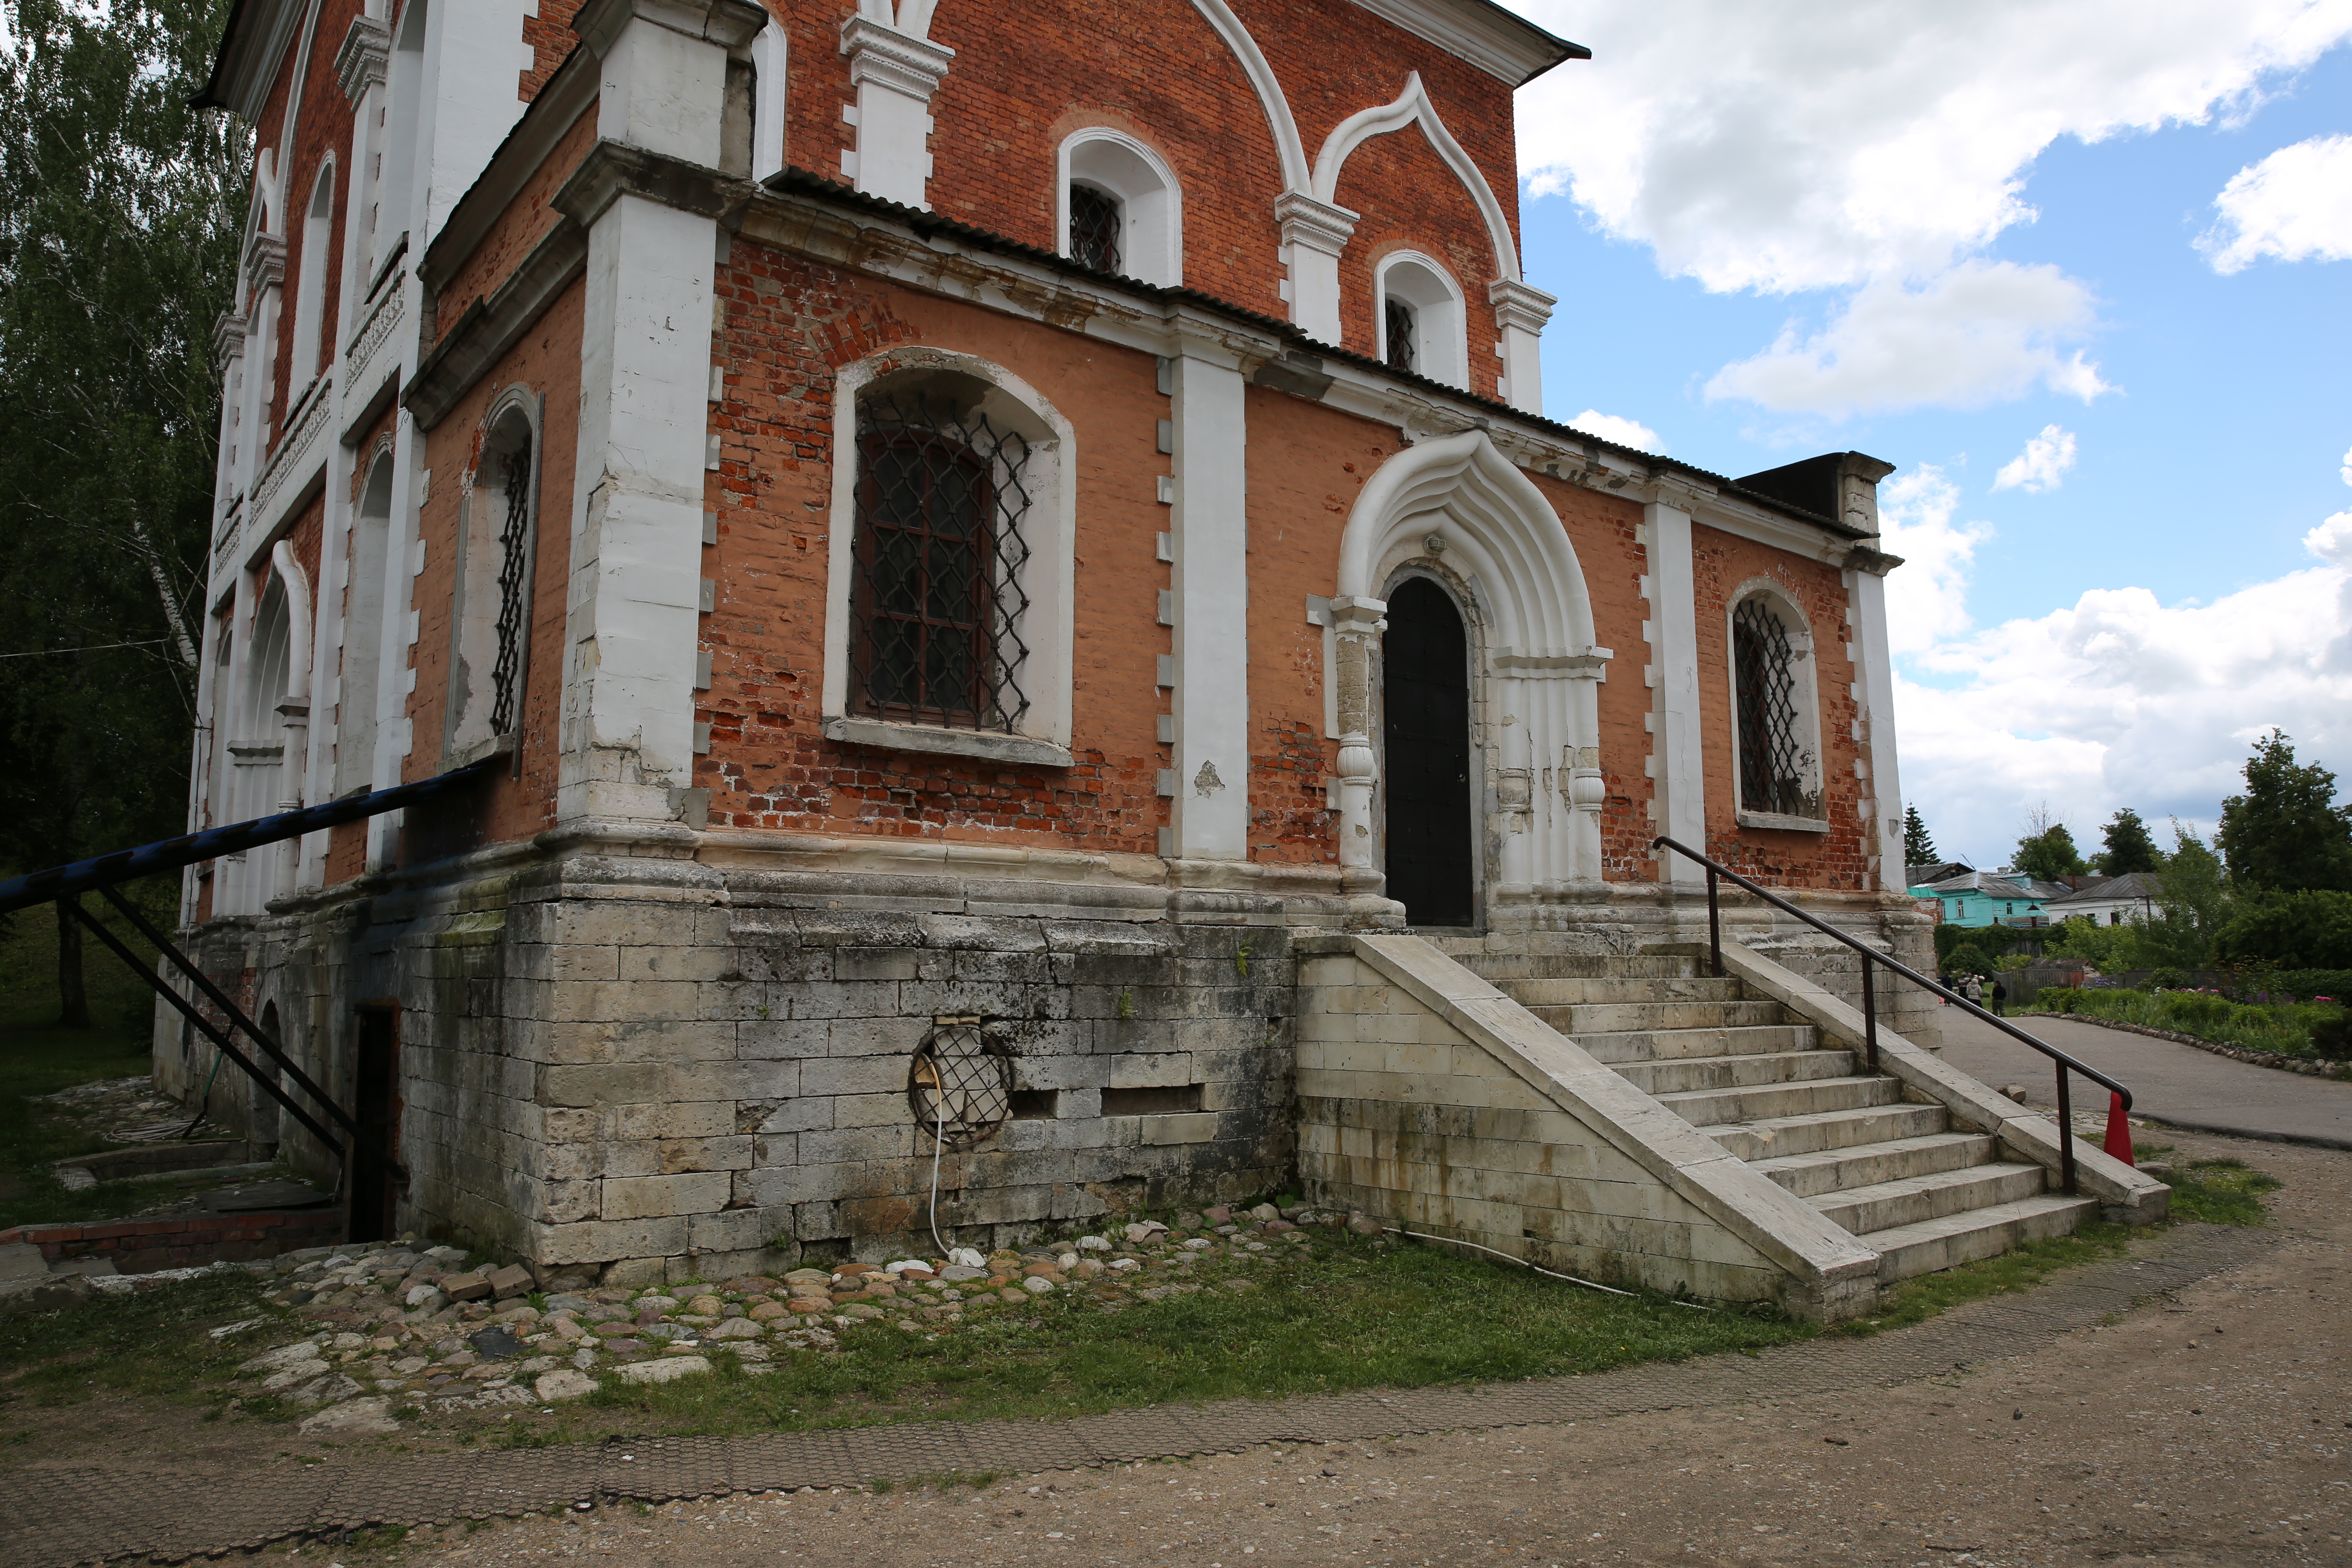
[(1932, 1244), (1913, 1200), (1779, 1136), (1719, 1107), (1837, 1170), (1628, 1017), (1688, 1073), (1675, 1045), (1578, 992), (1500, 967)]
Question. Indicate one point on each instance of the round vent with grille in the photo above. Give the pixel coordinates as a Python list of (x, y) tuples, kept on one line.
[(961, 1084)]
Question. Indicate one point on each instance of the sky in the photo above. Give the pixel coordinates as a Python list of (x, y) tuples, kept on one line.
[(2081, 270)]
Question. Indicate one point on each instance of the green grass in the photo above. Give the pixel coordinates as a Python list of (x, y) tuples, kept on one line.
[(1357, 1314), (151, 1342), (2220, 1191), (37, 1057), (2279, 1028)]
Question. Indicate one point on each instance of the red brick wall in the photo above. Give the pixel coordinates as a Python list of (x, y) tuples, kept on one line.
[(1721, 563), (1411, 201), (322, 130), (523, 225), (550, 37), (787, 324)]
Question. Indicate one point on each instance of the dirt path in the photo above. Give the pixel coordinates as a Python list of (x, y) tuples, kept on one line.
[(2211, 1429)]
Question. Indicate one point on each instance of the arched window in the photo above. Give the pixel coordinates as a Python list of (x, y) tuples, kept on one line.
[(1418, 315), (952, 574), (941, 501), (496, 550), (311, 282), (366, 573), (1775, 718), (1121, 210)]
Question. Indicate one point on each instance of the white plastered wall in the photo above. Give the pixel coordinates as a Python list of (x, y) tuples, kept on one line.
[(1209, 817), (1677, 761)]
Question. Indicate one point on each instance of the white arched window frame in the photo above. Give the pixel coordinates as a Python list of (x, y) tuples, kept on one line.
[(1151, 201), (1441, 346), (310, 281), (1048, 580), (1805, 727), (769, 53), (497, 547), (358, 685)]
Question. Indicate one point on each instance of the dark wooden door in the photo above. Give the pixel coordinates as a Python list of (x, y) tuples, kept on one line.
[(376, 1174), (1425, 767)]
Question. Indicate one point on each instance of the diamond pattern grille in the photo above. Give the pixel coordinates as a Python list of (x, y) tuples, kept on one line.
[(939, 557), (962, 1086), (514, 568), (1094, 229), (1771, 767)]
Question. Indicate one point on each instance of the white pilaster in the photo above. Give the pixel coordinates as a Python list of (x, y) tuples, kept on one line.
[(1212, 578), (895, 74), (636, 589), (1677, 759), (1313, 235), (1882, 803), (1520, 312)]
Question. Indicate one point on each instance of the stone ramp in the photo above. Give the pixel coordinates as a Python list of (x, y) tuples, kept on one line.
[(70, 1516)]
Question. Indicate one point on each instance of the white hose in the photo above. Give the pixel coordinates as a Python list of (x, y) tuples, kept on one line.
[(1590, 1285)]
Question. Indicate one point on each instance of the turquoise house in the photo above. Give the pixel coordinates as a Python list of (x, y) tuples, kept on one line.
[(1983, 898)]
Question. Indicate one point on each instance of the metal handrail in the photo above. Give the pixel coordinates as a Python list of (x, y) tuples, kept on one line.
[(1869, 998)]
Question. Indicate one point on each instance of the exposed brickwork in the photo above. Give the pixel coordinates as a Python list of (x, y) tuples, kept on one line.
[(1721, 563), (322, 130), (551, 38), (517, 229), (786, 324)]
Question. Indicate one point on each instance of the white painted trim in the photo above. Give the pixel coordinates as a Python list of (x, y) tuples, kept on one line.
[(1413, 107), (1441, 316), (1677, 753), (1500, 537), (1503, 46), (770, 63), (1209, 816), (1883, 796), (895, 75), (1048, 626), (1152, 216), (1806, 672)]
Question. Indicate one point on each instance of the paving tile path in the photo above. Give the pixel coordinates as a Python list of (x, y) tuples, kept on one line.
[(62, 1517), (2178, 1085)]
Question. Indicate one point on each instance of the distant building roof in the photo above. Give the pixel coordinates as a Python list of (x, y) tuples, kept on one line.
[(2135, 885), (1934, 872), (1984, 882)]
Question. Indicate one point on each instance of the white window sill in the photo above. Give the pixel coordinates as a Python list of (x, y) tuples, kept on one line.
[(1776, 823), (983, 744)]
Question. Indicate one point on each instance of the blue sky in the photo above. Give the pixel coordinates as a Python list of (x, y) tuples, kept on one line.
[(1937, 235)]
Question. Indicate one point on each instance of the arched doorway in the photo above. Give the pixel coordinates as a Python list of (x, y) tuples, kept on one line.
[(1425, 731)]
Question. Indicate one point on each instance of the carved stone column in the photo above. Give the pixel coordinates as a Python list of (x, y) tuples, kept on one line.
[(1357, 626)]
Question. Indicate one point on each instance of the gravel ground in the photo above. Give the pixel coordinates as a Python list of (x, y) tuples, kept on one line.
[(2211, 1429)]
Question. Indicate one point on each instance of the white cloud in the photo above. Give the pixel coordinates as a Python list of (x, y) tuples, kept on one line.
[(2347, 469), (1978, 333), (1616, 427), (1786, 145), (2294, 206), (2332, 540), (2042, 465), (1927, 597)]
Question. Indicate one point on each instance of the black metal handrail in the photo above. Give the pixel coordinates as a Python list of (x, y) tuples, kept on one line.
[(1869, 998)]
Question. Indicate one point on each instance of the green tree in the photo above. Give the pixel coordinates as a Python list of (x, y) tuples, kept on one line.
[(2285, 833), (120, 215), (2049, 855), (2191, 908), (2128, 846), (1918, 849)]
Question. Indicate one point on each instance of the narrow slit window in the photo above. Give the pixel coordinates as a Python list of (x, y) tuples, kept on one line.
[(514, 578), (1401, 326), (1771, 763), (939, 557), (1094, 224)]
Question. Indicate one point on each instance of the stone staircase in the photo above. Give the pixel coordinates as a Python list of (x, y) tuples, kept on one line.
[(1759, 1080)]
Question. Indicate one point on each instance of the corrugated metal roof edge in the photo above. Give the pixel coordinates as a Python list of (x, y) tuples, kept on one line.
[(927, 223)]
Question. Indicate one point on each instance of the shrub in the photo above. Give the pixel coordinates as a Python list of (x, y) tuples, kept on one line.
[(2286, 1028), (2309, 930)]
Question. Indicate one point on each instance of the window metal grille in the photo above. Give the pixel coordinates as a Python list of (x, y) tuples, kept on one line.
[(1402, 350), (936, 634), (1094, 229), (1771, 765), (961, 1085), (514, 569)]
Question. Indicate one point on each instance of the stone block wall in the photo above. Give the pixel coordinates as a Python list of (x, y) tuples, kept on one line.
[(1405, 1115)]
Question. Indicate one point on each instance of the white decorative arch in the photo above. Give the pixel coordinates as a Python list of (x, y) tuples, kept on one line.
[(1287, 144), (1463, 501), (1152, 203), (1413, 107), (1441, 314), (1806, 677)]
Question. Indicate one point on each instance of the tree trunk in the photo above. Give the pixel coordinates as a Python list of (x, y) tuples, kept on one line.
[(73, 1000)]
